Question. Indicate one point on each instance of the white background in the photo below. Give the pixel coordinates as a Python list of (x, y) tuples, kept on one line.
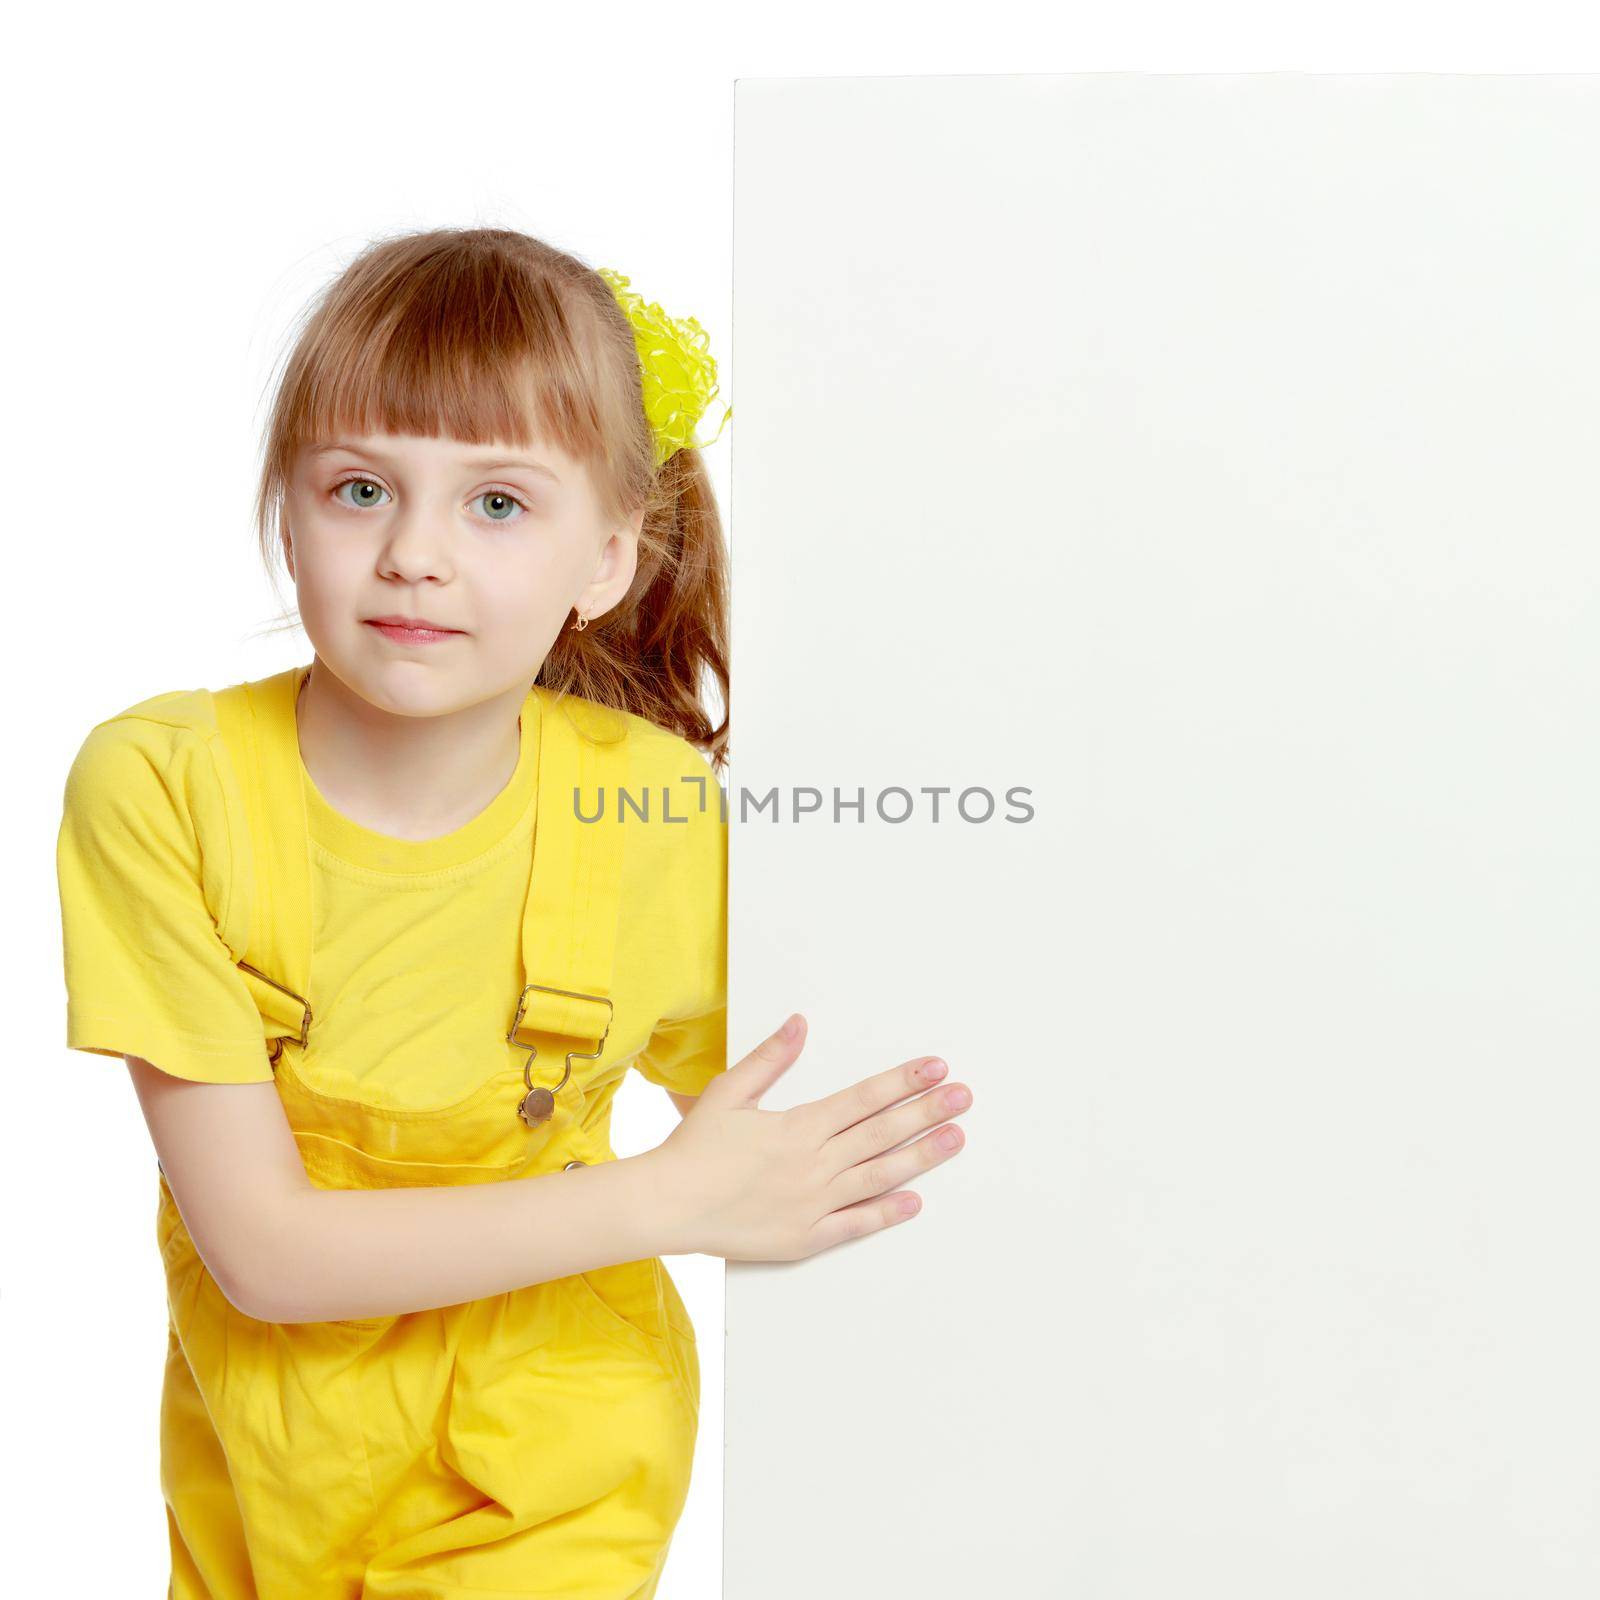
[(1213, 458), (183, 178)]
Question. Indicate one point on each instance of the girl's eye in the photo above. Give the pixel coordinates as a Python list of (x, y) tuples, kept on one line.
[(497, 505), (366, 491)]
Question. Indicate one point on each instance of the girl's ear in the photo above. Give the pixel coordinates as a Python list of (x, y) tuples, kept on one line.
[(620, 559), (614, 573), (288, 545)]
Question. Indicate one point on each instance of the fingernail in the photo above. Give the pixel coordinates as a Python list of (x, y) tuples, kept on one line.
[(791, 1027), (949, 1138), (933, 1069)]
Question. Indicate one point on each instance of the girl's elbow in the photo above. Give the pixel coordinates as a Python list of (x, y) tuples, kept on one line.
[(267, 1284)]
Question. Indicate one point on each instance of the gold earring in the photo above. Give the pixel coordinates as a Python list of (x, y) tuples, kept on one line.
[(580, 624)]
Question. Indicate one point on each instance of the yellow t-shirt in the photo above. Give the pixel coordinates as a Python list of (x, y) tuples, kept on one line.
[(416, 954)]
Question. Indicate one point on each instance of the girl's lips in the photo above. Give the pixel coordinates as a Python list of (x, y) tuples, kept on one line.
[(414, 635)]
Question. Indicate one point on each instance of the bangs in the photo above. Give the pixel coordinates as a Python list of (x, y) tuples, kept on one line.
[(464, 347)]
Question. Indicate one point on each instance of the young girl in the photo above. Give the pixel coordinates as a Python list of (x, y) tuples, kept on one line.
[(377, 933)]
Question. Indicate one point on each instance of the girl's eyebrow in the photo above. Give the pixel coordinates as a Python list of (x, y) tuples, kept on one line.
[(484, 463)]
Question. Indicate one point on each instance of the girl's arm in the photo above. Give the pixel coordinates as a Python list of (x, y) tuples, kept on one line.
[(282, 1250), (684, 1102), (731, 1180)]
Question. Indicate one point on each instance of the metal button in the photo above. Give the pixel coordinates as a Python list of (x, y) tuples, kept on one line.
[(537, 1106), (571, 1164)]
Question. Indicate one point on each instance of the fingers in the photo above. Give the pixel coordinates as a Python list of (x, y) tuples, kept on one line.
[(868, 1179), (750, 1078), (865, 1207), (871, 1216), (858, 1101), (877, 1135)]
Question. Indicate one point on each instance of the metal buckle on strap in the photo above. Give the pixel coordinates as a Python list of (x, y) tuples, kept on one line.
[(300, 1000), (538, 1105)]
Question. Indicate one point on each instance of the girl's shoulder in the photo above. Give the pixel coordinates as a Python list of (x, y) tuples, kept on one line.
[(675, 812), (144, 805), (156, 752), (170, 721), (654, 755), (175, 707), (676, 774), (661, 752)]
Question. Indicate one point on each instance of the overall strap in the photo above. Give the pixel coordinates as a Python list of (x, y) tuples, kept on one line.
[(257, 723), (570, 918)]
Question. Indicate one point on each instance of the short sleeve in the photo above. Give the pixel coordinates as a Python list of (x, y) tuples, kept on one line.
[(686, 1054), (143, 841), (689, 1046)]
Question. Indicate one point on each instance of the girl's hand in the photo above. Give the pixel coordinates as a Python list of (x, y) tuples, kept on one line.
[(754, 1185)]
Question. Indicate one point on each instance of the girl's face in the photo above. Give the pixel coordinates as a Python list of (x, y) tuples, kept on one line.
[(496, 543)]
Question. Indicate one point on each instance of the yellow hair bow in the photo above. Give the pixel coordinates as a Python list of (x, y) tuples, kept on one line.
[(677, 369)]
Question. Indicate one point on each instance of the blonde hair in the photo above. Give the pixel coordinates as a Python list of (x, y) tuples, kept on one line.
[(445, 333)]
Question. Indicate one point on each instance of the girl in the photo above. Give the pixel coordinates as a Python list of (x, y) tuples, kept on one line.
[(377, 933)]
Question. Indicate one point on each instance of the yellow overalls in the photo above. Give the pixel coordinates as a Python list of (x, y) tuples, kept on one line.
[(534, 1443)]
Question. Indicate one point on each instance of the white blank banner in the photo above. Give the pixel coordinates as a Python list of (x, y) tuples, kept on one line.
[(1214, 458)]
